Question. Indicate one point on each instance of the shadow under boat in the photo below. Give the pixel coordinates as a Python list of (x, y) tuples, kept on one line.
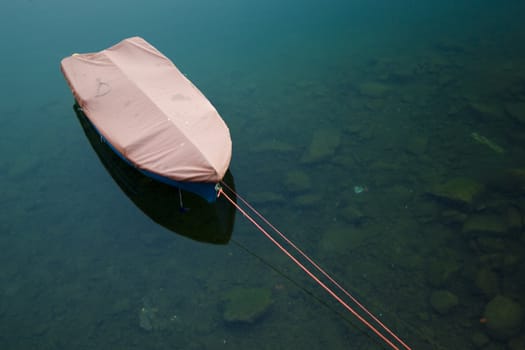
[(182, 212)]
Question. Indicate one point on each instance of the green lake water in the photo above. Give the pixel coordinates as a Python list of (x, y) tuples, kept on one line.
[(385, 138)]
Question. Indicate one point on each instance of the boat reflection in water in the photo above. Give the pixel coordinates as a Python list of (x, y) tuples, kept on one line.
[(182, 212)]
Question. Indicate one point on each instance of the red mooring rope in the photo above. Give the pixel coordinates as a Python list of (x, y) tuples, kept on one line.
[(311, 274)]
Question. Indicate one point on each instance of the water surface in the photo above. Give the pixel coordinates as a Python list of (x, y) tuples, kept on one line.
[(419, 103)]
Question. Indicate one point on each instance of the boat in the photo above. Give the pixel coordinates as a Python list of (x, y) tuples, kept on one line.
[(184, 213), (151, 115)]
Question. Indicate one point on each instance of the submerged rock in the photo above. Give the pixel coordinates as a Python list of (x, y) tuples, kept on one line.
[(504, 317), (156, 313), (487, 142), (246, 305), (487, 281), (342, 239), (147, 317), (442, 270), (323, 145), (443, 301), (479, 339), (297, 181), (460, 190)]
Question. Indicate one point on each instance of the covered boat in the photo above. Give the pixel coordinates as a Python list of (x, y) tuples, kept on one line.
[(151, 115), (194, 218)]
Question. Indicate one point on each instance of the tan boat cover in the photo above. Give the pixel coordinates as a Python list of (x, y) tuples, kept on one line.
[(150, 112)]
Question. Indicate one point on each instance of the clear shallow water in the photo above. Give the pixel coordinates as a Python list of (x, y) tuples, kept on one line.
[(401, 87)]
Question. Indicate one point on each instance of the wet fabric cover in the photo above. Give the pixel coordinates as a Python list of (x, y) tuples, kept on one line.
[(150, 112)]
